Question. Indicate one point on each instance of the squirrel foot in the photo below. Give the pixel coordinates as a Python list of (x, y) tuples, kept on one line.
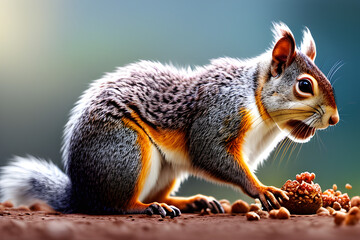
[(200, 202), (163, 210), (195, 203), (268, 196)]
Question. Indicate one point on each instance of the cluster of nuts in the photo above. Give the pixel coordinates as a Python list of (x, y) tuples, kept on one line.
[(305, 197), (305, 177), (342, 216), (304, 194), (352, 217), (252, 212), (334, 198)]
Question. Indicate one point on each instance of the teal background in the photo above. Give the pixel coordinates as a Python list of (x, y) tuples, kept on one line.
[(51, 50)]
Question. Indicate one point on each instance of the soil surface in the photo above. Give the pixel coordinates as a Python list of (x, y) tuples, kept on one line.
[(22, 223)]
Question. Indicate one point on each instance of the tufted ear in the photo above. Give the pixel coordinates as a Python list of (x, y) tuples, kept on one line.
[(308, 46), (283, 52)]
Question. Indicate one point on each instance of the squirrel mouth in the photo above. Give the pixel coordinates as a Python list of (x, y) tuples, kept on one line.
[(300, 130)]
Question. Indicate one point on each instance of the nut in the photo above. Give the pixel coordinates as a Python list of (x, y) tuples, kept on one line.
[(351, 220), (273, 213), (348, 186), (283, 213), (323, 212), (2, 210), (41, 207), (355, 201), (331, 210), (224, 201), (252, 216), (226, 207), (8, 204), (23, 208), (263, 214), (240, 206), (354, 211), (254, 207), (339, 218), (336, 206)]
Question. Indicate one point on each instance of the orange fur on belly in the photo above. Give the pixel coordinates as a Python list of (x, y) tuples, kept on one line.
[(173, 140)]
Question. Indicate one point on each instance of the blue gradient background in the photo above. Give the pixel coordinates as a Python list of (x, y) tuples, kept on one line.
[(51, 50)]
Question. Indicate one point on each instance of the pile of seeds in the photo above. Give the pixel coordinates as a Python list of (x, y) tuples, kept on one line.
[(335, 199), (304, 194)]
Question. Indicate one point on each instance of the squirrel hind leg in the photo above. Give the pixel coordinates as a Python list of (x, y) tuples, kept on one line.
[(147, 178), (109, 168), (153, 208)]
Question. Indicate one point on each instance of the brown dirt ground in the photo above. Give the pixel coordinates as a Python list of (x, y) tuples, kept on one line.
[(23, 223)]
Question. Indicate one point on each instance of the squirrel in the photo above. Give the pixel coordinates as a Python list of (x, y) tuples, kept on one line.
[(138, 132)]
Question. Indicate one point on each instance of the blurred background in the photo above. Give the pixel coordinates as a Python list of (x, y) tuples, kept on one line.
[(50, 51)]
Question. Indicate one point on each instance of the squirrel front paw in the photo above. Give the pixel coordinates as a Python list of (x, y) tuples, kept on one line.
[(163, 210), (268, 196)]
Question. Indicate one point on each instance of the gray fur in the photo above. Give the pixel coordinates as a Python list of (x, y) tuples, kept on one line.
[(212, 131), (102, 156), (162, 95), (104, 162)]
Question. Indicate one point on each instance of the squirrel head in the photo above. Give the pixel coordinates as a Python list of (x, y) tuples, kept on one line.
[(297, 95)]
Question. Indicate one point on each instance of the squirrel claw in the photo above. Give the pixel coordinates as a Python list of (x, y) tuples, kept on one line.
[(264, 202), (268, 199), (220, 209), (163, 210), (176, 212)]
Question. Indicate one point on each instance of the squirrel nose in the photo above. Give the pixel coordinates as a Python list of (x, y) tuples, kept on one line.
[(334, 119)]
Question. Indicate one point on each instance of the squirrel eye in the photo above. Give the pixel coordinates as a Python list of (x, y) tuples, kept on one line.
[(305, 86)]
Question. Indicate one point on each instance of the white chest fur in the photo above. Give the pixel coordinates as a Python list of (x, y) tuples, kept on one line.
[(153, 175), (260, 140)]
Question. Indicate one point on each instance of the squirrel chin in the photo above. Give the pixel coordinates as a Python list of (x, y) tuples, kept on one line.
[(299, 131)]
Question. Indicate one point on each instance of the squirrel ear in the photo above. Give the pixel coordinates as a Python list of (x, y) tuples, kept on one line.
[(308, 46), (283, 52)]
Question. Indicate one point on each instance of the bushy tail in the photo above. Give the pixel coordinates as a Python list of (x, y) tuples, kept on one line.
[(26, 180)]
